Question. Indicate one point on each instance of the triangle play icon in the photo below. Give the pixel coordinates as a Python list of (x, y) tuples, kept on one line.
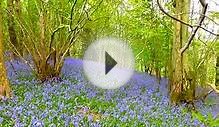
[(109, 63)]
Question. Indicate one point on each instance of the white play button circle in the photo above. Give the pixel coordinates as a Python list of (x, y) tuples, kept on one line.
[(108, 63)]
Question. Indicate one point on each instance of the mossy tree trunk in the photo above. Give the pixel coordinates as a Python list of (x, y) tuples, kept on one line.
[(189, 76), (4, 84), (46, 62), (177, 59)]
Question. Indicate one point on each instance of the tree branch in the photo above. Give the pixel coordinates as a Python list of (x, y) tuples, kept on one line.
[(187, 24), (53, 35), (72, 10), (162, 9), (201, 19), (198, 14)]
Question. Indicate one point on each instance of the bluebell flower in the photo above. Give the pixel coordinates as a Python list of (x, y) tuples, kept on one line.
[(142, 99), (1, 120)]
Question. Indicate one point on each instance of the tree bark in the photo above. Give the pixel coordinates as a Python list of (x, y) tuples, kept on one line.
[(5, 90), (189, 76), (176, 83)]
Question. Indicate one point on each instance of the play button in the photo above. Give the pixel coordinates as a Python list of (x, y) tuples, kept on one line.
[(108, 63)]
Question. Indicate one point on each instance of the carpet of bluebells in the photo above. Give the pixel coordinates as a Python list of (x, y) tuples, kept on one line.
[(74, 101)]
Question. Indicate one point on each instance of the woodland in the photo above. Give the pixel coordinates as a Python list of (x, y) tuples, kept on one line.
[(176, 49)]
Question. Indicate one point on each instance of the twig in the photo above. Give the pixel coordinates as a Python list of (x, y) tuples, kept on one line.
[(53, 35), (72, 10), (187, 24), (217, 23), (162, 9)]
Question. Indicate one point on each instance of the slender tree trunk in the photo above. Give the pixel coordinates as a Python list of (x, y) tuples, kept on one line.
[(20, 34), (165, 71), (170, 67), (146, 69), (4, 84), (158, 75), (217, 72), (68, 53), (11, 24)]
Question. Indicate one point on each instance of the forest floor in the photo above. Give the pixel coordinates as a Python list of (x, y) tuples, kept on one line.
[(75, 102)]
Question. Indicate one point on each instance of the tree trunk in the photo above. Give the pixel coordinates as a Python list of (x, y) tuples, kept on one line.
[(176, 83), (5, 90), (217, 72), (179, 61), (158, 74), (188, 74), (11, 25), (20, 34)]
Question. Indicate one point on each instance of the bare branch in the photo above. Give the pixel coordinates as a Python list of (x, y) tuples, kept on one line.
[(162, 9), (203, 3), (97, 7), (185, 23), (82, 11), (201, 19), (53, 35), (217, 23), (72, 12)]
